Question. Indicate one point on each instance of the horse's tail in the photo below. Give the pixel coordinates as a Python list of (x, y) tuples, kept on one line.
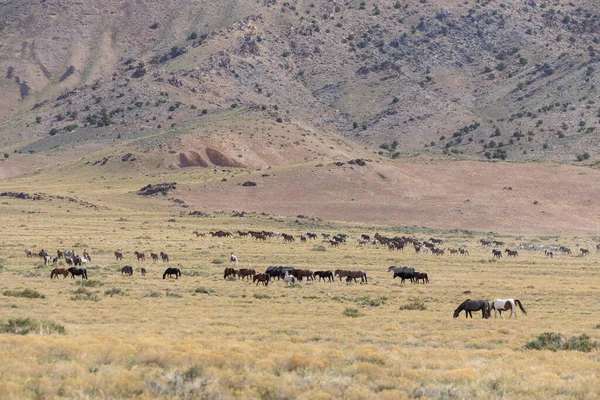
[(518, 302), (366, 281), (178, 272)]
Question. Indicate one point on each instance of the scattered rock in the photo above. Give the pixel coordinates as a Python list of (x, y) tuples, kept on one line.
[(153, 190)]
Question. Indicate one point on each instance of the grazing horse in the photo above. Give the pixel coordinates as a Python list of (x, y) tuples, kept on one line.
[(154, 257), (246, 272), (119, 256), (229, 272), (511, 253), (289, 280), (59, 271), (143, 271), (128, 270), (140, 256), (352, 275), (325, 275), (59, 254), (473, 305), (172, 271), (505, 305), (496, 253), (233, 258), (164, 257), (421, 276), (264, 278), (78, 271)]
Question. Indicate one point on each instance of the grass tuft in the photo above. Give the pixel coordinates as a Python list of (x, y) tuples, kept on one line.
[(318, 248), (115, 291), (84, 294), (261, 296), (203, 290), (28, 293)]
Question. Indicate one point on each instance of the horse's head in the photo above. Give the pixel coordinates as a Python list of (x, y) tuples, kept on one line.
[(456, 312), (390, 268)]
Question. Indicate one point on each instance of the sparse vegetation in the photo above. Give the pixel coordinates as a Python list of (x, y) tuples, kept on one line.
[(24, 326), (27, 293)]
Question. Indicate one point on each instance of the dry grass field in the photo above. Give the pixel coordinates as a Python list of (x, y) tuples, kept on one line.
[(205, 337)]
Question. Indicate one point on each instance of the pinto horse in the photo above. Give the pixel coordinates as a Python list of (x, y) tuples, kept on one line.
[(78, 271), (473, 305), (59, 271), (500, 305), (172, 271)]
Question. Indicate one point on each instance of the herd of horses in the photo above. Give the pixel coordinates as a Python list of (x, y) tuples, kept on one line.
[(291, 275)]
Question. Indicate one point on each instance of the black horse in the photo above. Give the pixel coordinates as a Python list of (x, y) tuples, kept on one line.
[(497, 253), (172, 271), (78, 271), (473, 305), (325, 275), (278, 272), (127, 270), (405, 275)]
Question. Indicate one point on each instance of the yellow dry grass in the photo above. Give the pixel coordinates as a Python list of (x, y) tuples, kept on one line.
[(170, 338)]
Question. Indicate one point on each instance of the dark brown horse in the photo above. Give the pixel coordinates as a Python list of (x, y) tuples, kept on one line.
[(473, 305), (421, 276), (303, 273), (140, 256), (511, 253), (246, 272), (143, 271), (341, 273), (154, 257), (258, 278), (59, 271), (229, 272), (118, 255), (164, 257), (128, 270)]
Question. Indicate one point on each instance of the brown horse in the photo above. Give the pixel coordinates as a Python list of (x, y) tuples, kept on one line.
[(246, 272), (352, 275), (511, 253), (143, 271), (421, 276), (164, 257), (59, 271), (198, 234), (229, 272), (341, 273), (301, 273), (59, 254), (154, 257), (118, 255), (140, 256), (258, 278)]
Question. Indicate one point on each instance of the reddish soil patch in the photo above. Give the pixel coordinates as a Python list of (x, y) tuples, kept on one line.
[(463, 195), (191, 159), (221, 160)]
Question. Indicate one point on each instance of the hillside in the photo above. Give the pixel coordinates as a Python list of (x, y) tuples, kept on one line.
[(480, 80)]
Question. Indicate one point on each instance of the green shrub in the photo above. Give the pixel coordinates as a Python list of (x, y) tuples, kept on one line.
[(414, 304), (351, 312), (115, 291), (203, 290), (89, 283), (318, 248), (218, 261), (261, 296), (153, 294), (557, 341), (28, 293), (23, 326), (84, 294)]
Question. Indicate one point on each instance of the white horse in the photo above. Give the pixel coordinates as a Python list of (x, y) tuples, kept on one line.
[(233, 258), (500, 305), (289, 279)]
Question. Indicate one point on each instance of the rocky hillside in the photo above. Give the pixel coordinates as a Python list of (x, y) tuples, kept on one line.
[(261, 82)]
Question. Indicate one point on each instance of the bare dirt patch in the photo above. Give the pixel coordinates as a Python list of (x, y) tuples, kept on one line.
[(191, 159), (221, 160)]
